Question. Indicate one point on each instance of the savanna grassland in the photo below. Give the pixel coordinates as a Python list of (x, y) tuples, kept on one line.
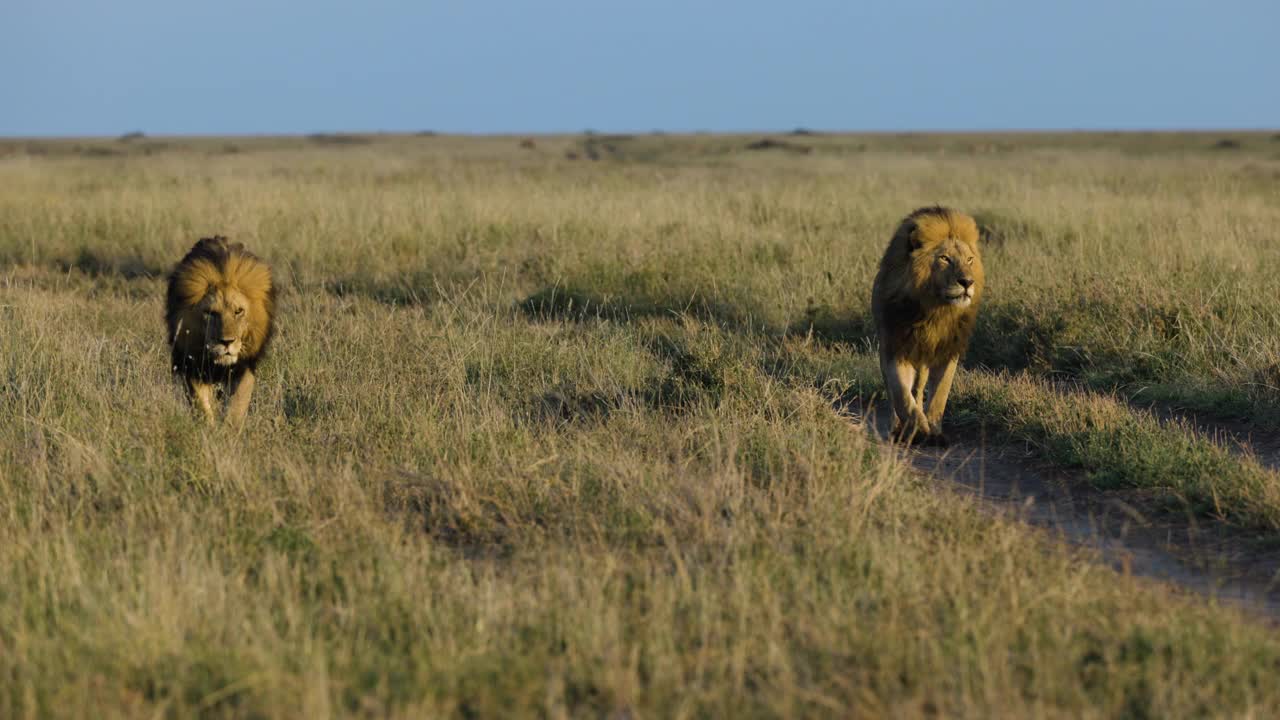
[(553, 428)]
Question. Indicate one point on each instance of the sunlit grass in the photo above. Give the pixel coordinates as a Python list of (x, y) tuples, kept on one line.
[(552, 436)]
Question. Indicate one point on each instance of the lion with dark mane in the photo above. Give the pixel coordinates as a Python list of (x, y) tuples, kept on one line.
[(924, 304), (219, 310)]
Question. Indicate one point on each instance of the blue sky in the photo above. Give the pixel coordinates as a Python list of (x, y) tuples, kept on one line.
[(103, 68)]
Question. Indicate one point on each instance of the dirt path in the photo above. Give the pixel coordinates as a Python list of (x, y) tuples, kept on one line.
[(1191, 554)]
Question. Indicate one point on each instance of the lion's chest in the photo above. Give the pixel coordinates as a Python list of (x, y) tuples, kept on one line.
[(938, 334)]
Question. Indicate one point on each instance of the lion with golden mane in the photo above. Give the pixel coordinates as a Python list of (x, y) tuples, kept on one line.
[(219, 310), (924, 304)]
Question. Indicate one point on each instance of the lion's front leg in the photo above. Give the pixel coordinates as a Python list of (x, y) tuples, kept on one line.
[(238, 403), (939, 388), (917, 392), (899, 381), (201, 394)]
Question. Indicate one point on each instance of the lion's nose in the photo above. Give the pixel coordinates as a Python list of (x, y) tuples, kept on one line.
[(965, 282), (229, 341)]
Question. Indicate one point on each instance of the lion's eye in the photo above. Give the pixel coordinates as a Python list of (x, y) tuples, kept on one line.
[(944, 260), (239, 311)]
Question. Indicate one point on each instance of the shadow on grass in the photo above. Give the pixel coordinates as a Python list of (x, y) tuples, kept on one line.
[(404, 289), (301, 404), (489, 518), (567, 302), (1007, 337), (691, 381), (97, 265), (1076, 341), (409, 289), (1081, 347), (832, 326), (1015, 337)]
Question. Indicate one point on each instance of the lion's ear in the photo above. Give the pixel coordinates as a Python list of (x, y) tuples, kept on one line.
[(909, 230)]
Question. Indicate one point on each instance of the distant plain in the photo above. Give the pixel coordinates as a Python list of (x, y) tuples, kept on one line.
[(555, 425)]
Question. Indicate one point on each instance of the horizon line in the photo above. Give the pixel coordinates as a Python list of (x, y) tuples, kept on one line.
[(798, 130)]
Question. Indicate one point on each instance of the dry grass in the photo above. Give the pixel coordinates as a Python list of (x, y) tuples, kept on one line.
[(554, 437)]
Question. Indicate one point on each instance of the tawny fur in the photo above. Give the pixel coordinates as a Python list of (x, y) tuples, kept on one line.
[(219, 311), (924, 304)]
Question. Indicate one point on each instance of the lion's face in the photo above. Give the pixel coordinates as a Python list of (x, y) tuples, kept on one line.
[(955, 272), (934, 259), (219, 307), (225, 313)]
